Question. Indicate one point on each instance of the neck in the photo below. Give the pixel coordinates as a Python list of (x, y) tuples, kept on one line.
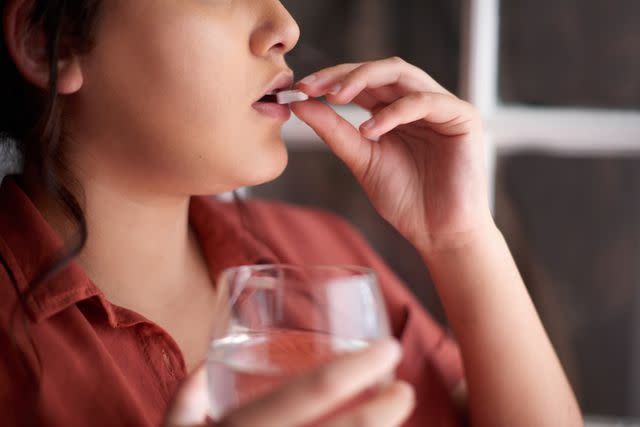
[(138, 244)]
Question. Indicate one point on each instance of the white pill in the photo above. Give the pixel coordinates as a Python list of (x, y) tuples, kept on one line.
[(291, 96)]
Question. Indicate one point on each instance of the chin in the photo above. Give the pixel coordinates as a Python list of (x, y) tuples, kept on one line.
[(263, 172)]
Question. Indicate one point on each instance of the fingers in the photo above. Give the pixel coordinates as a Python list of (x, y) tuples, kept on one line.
[(444, 114), (380, 74), (369, 101), (391, 407), (190, 406), (386, 80), (321, 82), (317, 393), (343, 139)]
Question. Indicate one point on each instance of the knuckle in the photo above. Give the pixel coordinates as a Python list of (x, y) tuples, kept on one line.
[(342, 69), (471, 111), (359, 73), (351, 71), (468, 106), (421, 97), (396, 60)]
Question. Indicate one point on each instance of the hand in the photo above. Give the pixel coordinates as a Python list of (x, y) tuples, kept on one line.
[(311, 396), (425, 174)]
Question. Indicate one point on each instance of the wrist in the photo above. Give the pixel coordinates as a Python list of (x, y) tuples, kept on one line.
[(459, 244)]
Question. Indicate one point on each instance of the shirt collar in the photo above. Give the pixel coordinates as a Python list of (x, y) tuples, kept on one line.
[(28, 245)]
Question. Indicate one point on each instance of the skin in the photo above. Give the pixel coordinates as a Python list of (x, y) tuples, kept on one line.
[(148, 131)]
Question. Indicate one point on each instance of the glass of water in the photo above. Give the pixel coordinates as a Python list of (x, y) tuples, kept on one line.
[(275, 322)]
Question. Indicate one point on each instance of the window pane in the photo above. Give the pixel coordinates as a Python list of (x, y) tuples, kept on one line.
[(573, 226), (425, 33), (571, 53)]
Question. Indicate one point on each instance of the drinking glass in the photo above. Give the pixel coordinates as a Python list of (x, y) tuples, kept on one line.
[(275, 322)]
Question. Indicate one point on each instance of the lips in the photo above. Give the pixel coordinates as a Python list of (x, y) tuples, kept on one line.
[(273, 110), (282, 82), (267, 104)]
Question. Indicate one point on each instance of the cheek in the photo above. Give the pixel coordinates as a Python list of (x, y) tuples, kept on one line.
[(175, 96), (175, 74)]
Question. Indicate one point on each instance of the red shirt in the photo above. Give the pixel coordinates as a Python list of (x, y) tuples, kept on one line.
[(104, 365)]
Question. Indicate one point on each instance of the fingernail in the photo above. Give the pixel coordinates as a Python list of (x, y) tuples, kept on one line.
[(336, 89), (368, 125), (309, 79)]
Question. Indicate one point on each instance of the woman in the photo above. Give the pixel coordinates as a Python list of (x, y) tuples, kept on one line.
[(125, 112)]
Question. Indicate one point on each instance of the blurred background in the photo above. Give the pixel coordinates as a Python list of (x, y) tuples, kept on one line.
[(559, 84)]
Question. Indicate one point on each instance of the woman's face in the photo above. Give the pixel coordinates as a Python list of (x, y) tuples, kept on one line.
[(169, 93)]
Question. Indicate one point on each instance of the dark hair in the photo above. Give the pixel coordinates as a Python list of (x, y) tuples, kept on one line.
[(31, 118)]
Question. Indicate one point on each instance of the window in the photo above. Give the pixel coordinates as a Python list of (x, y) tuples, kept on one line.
[(557, 83)]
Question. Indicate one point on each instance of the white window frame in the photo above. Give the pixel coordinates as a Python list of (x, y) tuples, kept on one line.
[(561, 131)]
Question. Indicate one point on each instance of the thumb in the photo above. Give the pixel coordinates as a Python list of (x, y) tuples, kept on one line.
[(190, 405), (341, 137)]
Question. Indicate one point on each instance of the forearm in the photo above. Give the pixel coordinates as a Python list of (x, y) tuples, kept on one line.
[(513, 374)]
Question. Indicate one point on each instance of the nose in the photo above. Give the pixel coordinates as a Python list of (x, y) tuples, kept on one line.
[(277, 32)]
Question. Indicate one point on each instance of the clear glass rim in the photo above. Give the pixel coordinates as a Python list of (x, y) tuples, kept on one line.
[(354, 270)]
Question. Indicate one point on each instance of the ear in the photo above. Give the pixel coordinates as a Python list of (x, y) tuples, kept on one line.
[(27, 46)]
